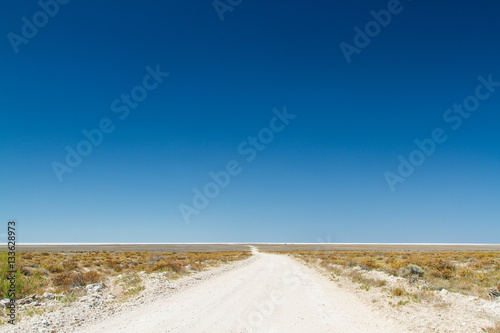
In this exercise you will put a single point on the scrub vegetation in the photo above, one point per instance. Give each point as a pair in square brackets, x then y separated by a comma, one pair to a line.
[63, 272]
[467, 272]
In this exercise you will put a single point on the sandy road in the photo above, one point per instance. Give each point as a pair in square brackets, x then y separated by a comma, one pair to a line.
[272, 293]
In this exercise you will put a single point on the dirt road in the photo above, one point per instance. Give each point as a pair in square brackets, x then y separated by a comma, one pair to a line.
[272, 293]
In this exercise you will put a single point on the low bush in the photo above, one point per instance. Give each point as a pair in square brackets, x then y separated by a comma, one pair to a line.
[467, 272]
[37, 272]
[411, 270]
[398, 291]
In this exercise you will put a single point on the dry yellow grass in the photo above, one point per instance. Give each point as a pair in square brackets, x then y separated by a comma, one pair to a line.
[61, 272]
[467, 272]
[494, 329]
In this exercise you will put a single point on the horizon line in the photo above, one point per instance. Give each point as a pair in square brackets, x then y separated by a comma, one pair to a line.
[249, 243]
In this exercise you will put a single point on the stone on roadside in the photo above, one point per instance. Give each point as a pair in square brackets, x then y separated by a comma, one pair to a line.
[48, 295]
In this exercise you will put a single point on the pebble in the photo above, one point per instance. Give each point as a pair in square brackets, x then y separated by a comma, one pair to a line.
[48, 295]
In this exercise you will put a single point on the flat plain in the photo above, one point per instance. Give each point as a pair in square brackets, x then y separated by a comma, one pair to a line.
[261, 287]
[208, 247]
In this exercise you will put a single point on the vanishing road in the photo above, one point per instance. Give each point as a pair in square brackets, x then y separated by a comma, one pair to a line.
[271, 293]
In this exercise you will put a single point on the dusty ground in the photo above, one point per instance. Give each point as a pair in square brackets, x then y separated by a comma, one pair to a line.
[272, 293]
[442, 311]
[266, 293]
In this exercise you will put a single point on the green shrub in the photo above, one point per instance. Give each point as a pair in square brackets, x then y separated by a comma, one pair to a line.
[24, 285]
[411, 270]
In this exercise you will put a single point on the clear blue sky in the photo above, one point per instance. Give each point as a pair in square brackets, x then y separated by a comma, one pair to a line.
[322, 177]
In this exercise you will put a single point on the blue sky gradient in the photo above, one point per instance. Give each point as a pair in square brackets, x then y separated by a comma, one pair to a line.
[321, 177]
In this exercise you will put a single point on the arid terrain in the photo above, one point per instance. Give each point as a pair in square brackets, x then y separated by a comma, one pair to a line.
[258, 288]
